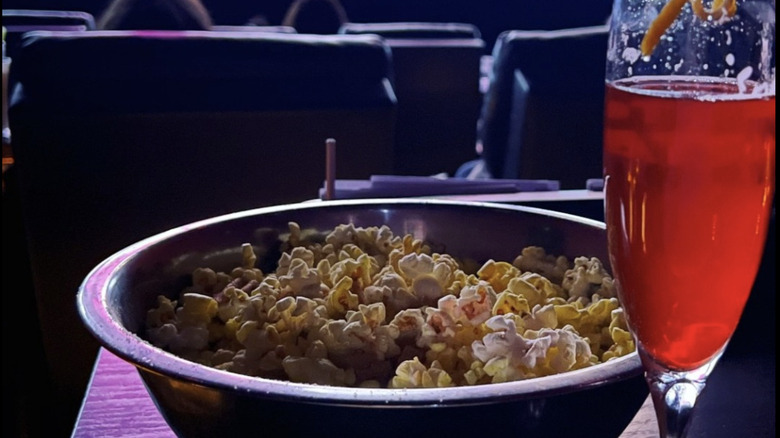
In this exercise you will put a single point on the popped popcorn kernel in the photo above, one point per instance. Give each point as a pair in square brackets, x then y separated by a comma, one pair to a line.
[498, 274]
[317, 371]
[587, 277]
[535, 259]
[164, 313]
[341, 299]
[414, 374]
[196, 309]
[248, 256]
[301, 280]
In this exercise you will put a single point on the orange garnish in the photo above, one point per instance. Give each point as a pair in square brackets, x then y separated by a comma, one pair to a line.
[719, 7]
[672, 10]
[662, 22]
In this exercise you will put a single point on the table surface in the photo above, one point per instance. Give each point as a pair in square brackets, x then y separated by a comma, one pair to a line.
[738, 401]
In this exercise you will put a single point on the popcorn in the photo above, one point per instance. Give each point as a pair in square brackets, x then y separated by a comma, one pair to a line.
[203, 280]
[164, 313]
[363, 307]
[414, 374]
[498, 274]
[297, 314]
[588, 277]
[234, 302]
[392, 291]
[258, 339]
[196, 309]
[508, 302]
[509, 356]
[357, 268]
[248, 256]
[319, 371]
[535, 259]
[301, 280]
[623, 342]
[341, 299]
[297, 253]
[409, 323]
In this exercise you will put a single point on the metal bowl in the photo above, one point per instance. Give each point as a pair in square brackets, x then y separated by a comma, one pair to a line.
[200, 401]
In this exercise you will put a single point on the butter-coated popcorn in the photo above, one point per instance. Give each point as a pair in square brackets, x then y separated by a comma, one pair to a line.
[296, 253]
[196, 309]
[588, 277]
[414, 374]
[428, 278]
[392, 291]
[340, 300]
[364, 307]
[358, 268]
[508, 302]
[233, 302]
[301, 280]
[164, 312]
[540, 317]
[498, 274]
[258, 339]
[535, 259]
[409, 323]
[319, 371]
[508, 355]
[476, 302]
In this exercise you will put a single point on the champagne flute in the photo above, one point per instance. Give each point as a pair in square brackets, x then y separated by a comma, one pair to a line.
[689, 169]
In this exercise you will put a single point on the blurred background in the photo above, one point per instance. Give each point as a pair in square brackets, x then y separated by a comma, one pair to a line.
[134, 161]
[490, 16]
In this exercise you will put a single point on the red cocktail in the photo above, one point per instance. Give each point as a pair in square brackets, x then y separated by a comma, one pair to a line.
[689, 168]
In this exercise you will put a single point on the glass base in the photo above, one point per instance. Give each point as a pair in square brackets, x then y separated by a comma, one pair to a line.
[674, 393]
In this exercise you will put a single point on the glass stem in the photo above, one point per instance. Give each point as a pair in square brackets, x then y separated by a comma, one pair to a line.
[674, 395]
[674, 403]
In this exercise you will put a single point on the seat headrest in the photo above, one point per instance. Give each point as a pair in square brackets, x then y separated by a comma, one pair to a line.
[125, 71]
[413, 29]
[253, 28]
[556, 65]
[567, 53]
[41, 18]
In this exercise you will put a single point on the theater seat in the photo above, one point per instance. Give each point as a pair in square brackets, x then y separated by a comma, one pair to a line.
[119, 135]
[47, 17]
[414, 30]
[542, 116]
[436, 70]
[251, 28]
[18, 21]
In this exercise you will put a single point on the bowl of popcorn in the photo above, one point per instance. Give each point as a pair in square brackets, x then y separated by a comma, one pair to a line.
[373, 318]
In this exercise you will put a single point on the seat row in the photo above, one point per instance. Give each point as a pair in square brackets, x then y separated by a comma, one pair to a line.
[434, 71]
[118, 135]
[443, 114]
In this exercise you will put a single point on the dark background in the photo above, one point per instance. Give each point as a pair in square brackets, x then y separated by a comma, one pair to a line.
[27, 412]
[490, 16]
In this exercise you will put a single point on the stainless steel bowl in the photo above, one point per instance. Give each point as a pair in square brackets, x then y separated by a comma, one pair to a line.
[197, 401]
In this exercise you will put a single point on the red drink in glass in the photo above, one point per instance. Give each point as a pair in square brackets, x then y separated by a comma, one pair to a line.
[689, 168]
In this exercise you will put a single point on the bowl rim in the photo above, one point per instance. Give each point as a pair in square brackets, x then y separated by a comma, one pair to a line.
[92, 308]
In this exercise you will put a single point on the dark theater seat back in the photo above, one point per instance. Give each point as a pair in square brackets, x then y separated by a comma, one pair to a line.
[17, 22]
[47, 17]
[437, 74]
[543, 112]
[414, 29]
[121, 135]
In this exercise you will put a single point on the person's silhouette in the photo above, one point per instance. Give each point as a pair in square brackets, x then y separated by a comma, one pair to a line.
[315, 16]
[155, 14]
